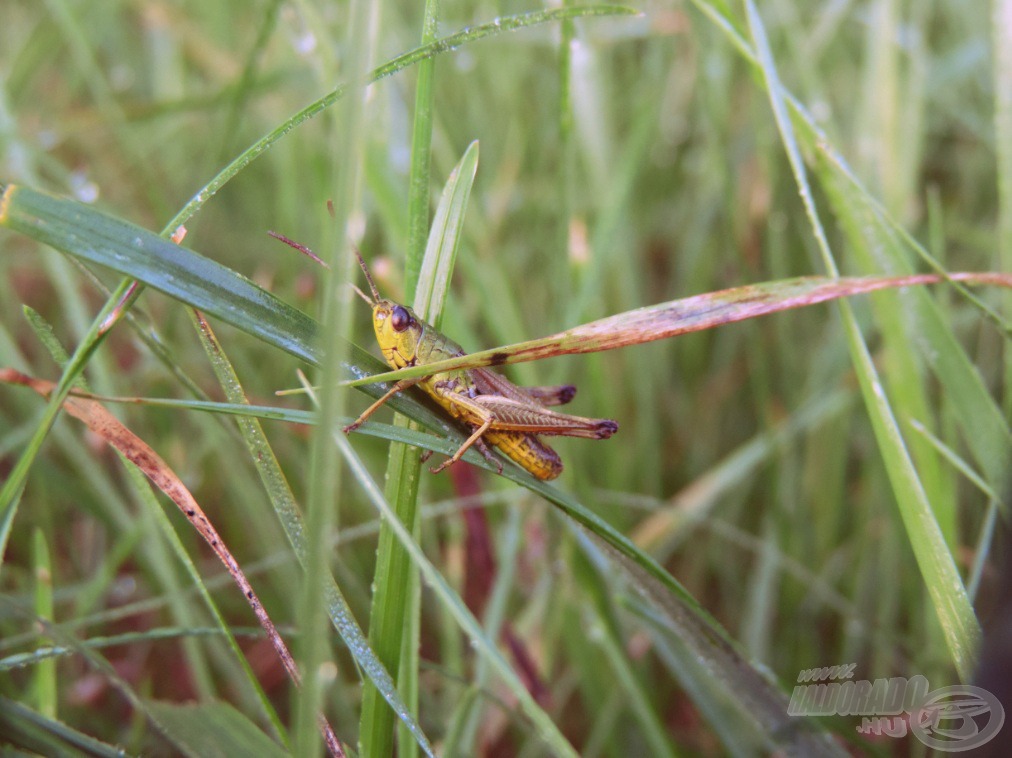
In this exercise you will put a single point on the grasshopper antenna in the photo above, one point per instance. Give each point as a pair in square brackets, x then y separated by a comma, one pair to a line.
[361, 294]
[375, 293]
[307, 252]
[300, 247]
[368, 278]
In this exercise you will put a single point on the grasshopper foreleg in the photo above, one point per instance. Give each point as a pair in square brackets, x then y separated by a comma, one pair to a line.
[400, 386]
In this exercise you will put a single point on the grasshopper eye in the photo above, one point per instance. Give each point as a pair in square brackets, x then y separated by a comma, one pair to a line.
[400, 319]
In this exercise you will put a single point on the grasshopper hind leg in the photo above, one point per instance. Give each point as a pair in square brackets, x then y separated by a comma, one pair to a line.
[482, 447]
[555, 395]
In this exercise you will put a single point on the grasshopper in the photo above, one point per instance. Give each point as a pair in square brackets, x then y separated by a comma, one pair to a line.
[495, 410]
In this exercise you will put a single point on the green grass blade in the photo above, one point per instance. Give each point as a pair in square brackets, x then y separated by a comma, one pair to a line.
[402, 467]
[444, 239]
[405, 482]
[395, 593]
[44, 682]
[421, 148]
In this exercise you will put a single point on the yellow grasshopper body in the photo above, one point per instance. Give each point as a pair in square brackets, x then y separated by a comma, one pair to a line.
[493, 408]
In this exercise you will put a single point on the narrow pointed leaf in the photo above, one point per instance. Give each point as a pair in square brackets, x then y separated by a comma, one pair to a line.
[690, 314]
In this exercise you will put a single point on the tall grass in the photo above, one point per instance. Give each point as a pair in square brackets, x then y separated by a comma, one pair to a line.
[821, 483]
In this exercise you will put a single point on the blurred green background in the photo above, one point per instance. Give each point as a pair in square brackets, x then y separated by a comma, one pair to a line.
[638, 163]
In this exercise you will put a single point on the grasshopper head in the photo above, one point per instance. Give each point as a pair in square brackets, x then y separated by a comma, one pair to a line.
[398, 329]
[398, 332]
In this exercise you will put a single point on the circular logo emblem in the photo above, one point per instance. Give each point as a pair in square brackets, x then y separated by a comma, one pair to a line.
[957, 718]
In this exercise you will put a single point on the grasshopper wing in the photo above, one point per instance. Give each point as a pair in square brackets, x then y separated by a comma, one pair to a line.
[516, 416]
